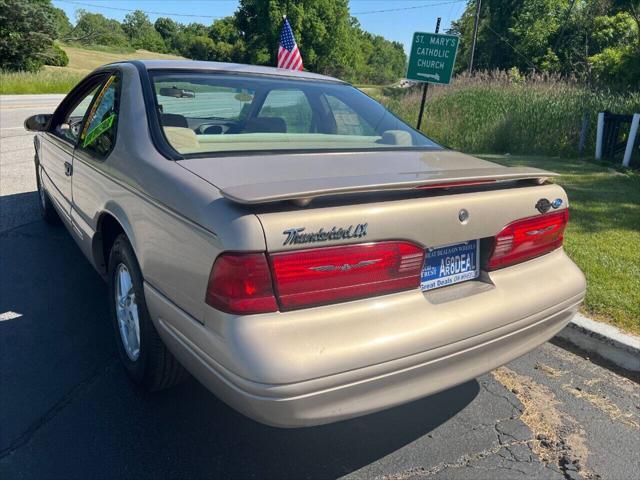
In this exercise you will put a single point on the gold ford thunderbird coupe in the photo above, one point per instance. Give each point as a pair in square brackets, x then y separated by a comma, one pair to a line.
[297, 248]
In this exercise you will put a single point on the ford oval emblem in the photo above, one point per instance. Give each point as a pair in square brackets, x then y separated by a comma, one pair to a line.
[543, 205]
[557, 203]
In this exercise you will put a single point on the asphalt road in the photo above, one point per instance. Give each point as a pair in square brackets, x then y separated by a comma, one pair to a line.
[67, 409]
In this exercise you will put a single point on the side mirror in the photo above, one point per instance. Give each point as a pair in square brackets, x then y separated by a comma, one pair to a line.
[37, 123]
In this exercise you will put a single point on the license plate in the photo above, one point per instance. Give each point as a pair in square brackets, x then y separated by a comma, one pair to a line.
[450, 264]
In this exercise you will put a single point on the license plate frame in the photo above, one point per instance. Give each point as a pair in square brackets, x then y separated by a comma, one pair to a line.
[450, 264]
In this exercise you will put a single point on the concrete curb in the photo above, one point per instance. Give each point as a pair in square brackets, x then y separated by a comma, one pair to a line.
[621, 349]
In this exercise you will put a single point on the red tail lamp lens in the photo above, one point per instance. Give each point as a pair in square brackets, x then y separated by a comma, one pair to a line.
[333, 274]
[241, 283]
[528, 238]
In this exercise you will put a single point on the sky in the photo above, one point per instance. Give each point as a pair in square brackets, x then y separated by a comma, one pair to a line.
[408, 16]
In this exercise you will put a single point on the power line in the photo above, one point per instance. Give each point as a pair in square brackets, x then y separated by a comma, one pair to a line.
[475, 33]
[133, 10]
[525, 58]
[122, 9]
[408, 8]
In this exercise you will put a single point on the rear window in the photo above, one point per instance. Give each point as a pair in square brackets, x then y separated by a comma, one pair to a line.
[203, 113]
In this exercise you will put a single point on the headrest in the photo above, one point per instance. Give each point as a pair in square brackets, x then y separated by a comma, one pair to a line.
[173, 120]
[265, 125]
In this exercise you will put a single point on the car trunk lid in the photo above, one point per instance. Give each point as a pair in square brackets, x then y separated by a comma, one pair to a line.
[304, 177]
[429, 218]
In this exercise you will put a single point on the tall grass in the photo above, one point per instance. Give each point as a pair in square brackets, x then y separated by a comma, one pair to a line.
[48, 80]
[499, 112]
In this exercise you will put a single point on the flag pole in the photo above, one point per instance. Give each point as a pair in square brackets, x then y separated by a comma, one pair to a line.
[284, 18]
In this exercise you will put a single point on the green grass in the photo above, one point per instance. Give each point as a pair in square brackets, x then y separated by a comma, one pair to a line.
[48, 80]
[88, 59]
[603, 236]
[63, 79]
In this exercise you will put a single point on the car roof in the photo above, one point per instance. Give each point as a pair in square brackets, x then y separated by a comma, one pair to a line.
[230, 68]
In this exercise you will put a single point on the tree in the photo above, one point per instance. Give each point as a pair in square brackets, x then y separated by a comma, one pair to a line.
[195, 30]
[320, 28]
[27, 30]
[618, 61]
[166, 27]
[593, 40]
[96, 29]
[179, 38]
[63, 25]
[228, 41]
[141, 32]
[330, 41]
[201, 48]
[511, 33]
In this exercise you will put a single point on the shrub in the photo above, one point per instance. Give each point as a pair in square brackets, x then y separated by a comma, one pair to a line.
[56, 57]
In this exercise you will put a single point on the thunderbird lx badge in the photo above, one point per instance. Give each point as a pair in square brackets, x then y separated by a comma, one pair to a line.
[296, 236]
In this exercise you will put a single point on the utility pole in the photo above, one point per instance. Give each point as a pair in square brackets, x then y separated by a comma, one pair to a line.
[425, 88]
[475, 34]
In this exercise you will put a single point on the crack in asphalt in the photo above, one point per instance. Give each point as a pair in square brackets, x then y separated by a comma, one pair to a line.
[77, 390]
[463, 462]
[603, 404]
[558, 438]
[515, 406]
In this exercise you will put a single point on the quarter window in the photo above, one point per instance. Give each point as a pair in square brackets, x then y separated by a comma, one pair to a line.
[99, 133]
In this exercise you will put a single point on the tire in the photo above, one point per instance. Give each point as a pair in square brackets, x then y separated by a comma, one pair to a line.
[150, 365]
[47, 210]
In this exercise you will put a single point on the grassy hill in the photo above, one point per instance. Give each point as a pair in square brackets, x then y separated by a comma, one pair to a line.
[62, 79]
[84, 60]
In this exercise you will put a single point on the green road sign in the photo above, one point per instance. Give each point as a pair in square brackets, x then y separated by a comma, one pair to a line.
[432, 58]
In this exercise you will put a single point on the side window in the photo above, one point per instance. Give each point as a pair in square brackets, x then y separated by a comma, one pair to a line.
[292, 109]
[69, 127]
[348, 122]
[99, 132]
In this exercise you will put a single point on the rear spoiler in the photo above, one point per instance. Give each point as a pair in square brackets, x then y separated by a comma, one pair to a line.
[302, 191]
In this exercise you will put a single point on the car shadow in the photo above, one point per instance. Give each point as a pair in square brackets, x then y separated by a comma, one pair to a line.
[18, 209]
[237, 447]
[68, 410]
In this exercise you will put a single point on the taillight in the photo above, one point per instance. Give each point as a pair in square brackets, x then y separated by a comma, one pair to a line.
[241, 283]
[333, 274]
[528, 238]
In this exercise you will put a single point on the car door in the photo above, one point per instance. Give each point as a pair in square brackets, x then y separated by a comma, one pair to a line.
[96, 141]
[59, 142]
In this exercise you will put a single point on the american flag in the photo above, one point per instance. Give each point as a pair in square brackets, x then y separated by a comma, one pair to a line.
[288, 54]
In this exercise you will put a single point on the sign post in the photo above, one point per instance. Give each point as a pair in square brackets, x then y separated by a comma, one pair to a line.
[432, 58]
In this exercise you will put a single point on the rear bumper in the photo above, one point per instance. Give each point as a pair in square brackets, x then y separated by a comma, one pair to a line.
[348, 392]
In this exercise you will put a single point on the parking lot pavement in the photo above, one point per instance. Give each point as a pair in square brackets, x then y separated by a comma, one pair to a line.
[67, 409]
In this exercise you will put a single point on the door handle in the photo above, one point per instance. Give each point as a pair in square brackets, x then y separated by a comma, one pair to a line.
[68, 169]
